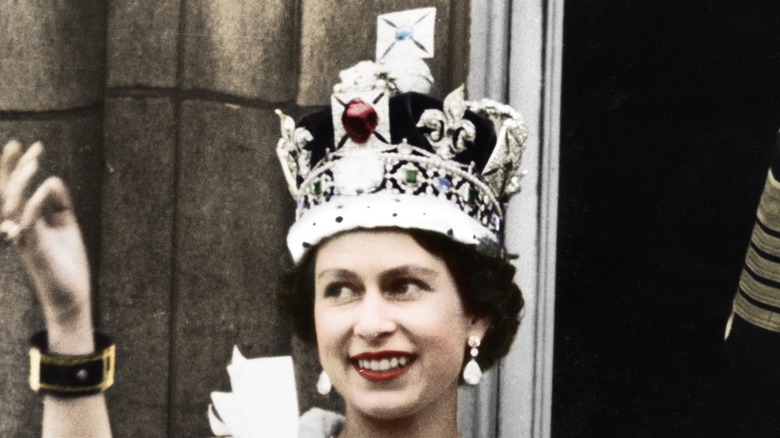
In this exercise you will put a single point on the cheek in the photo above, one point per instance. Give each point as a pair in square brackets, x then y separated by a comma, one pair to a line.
[329, 330]
[321, 326]
[447, 333]
[445, 352]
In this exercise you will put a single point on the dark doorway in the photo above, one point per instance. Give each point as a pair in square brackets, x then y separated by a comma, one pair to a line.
[669, 116]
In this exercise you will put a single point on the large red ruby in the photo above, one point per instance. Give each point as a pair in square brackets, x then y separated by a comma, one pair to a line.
[359, 120]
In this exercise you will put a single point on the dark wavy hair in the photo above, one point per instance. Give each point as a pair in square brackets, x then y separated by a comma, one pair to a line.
[485, 284]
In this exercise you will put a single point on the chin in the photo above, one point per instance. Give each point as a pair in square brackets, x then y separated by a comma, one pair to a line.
[383, 406]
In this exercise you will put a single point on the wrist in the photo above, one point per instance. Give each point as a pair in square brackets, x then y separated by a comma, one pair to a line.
[72, 334]
[65, 305]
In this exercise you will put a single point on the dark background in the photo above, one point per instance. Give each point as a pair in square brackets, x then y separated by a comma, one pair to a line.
[670, 113]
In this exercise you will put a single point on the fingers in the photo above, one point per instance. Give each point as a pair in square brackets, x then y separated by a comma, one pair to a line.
[17, 170]
[49, 202]
[35, 150]
[18, 181]
[10, 230]
[11, 153]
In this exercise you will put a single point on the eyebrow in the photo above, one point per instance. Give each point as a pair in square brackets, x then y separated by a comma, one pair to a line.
[411, 270]
[337, 273]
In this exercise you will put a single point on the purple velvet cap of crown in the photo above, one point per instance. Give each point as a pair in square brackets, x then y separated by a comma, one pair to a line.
[405, 111]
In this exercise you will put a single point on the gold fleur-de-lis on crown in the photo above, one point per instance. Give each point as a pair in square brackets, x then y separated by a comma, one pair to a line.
[449, 130]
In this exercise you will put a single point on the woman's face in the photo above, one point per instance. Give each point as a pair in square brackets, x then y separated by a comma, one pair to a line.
[391, 328]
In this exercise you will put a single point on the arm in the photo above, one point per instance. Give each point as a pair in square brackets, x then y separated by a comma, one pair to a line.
[44, 230]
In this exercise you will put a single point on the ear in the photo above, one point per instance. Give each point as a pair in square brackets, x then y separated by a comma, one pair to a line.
[479, 326]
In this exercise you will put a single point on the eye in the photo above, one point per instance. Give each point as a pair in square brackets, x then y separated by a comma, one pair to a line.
[340, 291]
[407, 287]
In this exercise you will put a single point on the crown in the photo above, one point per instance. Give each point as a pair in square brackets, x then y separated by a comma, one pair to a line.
[388, 155]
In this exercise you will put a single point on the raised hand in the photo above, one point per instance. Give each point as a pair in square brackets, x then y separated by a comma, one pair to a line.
[43, 228]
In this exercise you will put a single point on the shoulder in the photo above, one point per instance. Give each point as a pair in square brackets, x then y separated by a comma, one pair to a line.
[319, 423]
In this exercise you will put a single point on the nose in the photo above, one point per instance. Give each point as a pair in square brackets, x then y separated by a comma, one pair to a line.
[374, 318]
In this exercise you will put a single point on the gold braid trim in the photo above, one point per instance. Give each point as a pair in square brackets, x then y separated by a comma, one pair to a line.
[755, 315]
[769, 207]
[759, 292]
[764, 267]
[769, 215]
[764, 241]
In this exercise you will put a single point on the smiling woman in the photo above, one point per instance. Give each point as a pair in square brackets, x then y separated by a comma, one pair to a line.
[390, 301]
[401, 281]
[400, 276]
[485, 286]
[392, 310]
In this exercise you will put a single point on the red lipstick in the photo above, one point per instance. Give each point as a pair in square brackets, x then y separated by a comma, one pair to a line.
[382, 375]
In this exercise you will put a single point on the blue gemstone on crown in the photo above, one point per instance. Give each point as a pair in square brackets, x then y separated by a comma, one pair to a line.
[442, 184]
[404, 32]
[496, 222]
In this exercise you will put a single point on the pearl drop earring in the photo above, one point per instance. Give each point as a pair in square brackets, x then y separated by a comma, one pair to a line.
[472, 374]
[323, 383]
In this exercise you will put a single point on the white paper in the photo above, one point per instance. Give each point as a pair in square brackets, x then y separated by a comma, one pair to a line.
[264, 402]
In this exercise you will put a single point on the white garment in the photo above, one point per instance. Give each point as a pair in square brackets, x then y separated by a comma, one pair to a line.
[319, 423]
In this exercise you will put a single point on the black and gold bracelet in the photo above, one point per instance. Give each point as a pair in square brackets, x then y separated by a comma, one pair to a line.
[71, 376]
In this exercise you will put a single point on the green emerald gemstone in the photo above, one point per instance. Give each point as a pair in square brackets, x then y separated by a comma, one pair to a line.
[410, 176]
[471, 195]
[316, 187]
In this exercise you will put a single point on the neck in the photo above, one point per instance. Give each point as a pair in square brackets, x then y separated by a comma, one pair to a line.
[437, 422]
